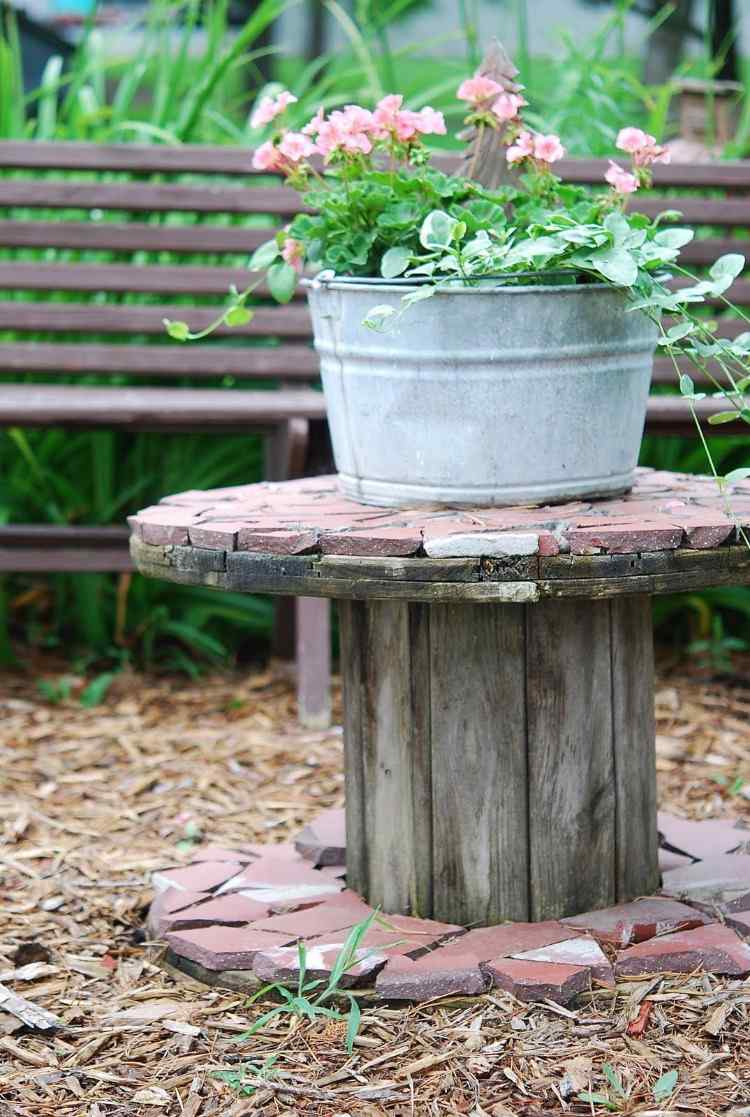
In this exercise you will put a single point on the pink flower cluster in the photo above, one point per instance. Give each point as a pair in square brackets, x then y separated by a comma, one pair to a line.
[531, 145]
[479, 90]
[349, 131]
[271, 107]
[644, 151]
[642, 147]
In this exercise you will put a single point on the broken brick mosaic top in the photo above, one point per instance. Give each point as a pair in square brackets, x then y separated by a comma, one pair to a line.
[670, 525]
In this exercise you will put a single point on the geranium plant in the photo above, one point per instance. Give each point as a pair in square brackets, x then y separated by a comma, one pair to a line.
[378, 208]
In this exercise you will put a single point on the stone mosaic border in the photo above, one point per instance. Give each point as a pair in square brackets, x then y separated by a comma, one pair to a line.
[235, 917]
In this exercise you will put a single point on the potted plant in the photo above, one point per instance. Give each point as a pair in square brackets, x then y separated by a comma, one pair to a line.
[479, 346]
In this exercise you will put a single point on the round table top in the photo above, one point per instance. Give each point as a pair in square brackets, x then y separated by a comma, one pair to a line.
[672, 532]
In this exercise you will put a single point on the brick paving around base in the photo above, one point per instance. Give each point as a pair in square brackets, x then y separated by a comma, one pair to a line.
[249, 909]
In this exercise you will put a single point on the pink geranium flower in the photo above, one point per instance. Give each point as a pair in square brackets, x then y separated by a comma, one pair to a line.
[313, 126]
[621, 180]
[293, 252]
[295, 146]
[431, 122]
[548, 149]
[271, 107]
[521, 149]
[633, 139]
[350, 130]
[478, 89]
[642, 146]
[267, 158]
[507, 105]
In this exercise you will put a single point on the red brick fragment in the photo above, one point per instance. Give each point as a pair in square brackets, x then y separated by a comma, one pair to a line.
[638, 921]
[340, 912]
[323, 841]
[391, 542]
[625, 537]
[538, 981]
[223, 948]
[164, 906]
[705, 838]
[509, 938]
[277, 542]
[206, 876]
[433, 975]
[230, 910]
[714, 949]
[583, 951]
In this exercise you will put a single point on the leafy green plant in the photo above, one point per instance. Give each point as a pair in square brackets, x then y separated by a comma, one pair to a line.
[618, 1097]
[715, 651]
[238, 1077]
[309, 1001]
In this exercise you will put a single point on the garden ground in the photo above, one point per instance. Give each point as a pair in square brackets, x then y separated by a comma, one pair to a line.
[93, 800]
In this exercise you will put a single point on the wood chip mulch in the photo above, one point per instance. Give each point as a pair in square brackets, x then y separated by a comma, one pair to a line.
[93, 800]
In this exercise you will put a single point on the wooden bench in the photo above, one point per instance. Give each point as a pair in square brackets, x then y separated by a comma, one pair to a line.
[86, 183]
[123, 201]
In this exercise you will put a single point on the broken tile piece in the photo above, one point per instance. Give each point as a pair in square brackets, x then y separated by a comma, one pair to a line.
[223, 948]
[714, 949]
[481, 544]
[705, 838]
[205, 876]
[323, 841]
[281, 964]
[538, 981]
[635, 922]
[718, 879]
[433, 975]
[484, 943]
[232, 909]
[164, 906]
[343, 910]
[583, 951]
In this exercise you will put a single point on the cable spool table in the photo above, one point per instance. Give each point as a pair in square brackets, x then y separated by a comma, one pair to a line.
[498, 674]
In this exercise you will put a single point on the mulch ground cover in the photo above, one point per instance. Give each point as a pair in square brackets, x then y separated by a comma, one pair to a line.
[93, 800]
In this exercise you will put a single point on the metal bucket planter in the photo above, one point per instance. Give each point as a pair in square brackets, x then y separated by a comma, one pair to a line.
[492, 395]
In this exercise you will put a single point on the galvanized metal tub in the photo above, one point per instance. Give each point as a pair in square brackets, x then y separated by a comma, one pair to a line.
[489, 395]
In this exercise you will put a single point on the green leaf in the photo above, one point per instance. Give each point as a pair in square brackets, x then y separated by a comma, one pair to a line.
[664, 1087]
[282, 281]
[737, 475]
[674, 238]
[687, 387]
[598, 1099]
[352, 1027]
[264, 256]
[418, 296]
[725, 271]
[379, 317]
[677, 332]
[95, 693]
[238, 316]
[178, 331]
[395, 261]
[614, 1079]
[437, 230]
[615, 264]
[722, 417]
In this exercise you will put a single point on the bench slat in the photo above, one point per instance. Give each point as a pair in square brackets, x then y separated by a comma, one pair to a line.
[698, 211]
[154, 409]
[154, 279]
[282, 321]
[143, 197]
[204, 159]
[293, 362]
[107, 236]
[136, 158]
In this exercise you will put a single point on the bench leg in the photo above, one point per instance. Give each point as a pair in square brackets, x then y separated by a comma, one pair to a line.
[500, 759]
[302, 626]
[314, 661]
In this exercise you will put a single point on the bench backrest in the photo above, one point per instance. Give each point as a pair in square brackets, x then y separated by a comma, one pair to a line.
[64, 204]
